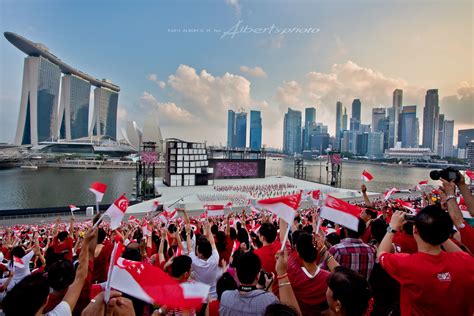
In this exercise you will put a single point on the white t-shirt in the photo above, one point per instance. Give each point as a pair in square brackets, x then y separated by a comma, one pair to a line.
[206, 271]
[62, 309]
[20, 273]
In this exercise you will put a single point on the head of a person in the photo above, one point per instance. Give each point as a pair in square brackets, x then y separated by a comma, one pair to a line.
[62, 235]
[132, 252]
[60, 275]
[181, 267]
[220, 241]
[225, 283]
[333, 238]
[248, 268]
[101, 234]
[27, 297]
[305, 248]
[360, 230]
[214, 229]
[184, 236]
[242, 235]
[233, 233]
[432, 225]
[18, 252]
[368, 214]
[172, 228]
[279, 309]
[378, 229]
[348, 293]
[203, 248]
[295, 236]
[267, 232]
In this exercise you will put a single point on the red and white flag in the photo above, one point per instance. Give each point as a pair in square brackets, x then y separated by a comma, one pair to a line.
[366, 176]
[73, 208]
[229, 205]
[214, 210]
[167, 216]
[424, 182]
[98, 189]
[284, 206]
[409, 206]
[314, 196]
[341, 212]
[387, 194]
[152, 285]
[116, 211]
[470, 174]
[18, 262]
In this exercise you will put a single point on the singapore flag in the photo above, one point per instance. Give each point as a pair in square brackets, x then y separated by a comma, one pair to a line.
[116, 212]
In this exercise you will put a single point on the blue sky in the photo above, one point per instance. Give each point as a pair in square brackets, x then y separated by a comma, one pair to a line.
[364, 49]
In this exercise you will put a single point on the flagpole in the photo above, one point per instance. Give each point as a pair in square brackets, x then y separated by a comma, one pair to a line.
[109, 277]
[318, 225]
[97, 206]
[286, 238]
[99, 221]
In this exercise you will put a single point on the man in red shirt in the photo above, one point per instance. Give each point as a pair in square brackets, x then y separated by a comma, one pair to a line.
[63, 241]
[432, 282]
[267, 235]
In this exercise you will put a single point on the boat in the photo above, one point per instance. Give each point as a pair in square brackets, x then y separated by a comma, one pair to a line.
[30, 167]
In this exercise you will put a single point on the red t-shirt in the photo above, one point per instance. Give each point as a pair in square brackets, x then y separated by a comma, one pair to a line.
[267, 257]
[63, 247]
[310, 290]
[467, 236]
[101, 263]
[406, 243]
[433, 284]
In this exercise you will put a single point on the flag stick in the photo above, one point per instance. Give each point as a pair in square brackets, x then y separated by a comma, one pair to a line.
[97, 206]
[318, 225]
[109, 277]
[99, 221]
[286, 237]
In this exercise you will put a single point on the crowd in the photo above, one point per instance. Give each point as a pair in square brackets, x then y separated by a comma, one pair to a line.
[259, 190]
[406, 257]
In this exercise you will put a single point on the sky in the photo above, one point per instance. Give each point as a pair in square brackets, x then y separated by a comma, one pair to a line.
[188, 62]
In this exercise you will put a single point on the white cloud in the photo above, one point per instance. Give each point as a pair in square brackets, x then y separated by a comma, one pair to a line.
[169, 112]
[459, 107]
[154, 77]
[257, 71]
[235, 4]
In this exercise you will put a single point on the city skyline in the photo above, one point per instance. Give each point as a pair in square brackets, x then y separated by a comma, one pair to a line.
[195, 77]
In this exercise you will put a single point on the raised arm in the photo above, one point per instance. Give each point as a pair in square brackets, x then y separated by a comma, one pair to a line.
[209, 235]
[367, 201]
[287, 296]
[71, 227]
[466, 194]
[396, 222]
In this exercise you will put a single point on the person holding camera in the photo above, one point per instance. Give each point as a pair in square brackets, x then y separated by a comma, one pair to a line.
[432, 282]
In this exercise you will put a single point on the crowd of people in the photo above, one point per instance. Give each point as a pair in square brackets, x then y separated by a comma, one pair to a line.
[407, 257]
[259, 190]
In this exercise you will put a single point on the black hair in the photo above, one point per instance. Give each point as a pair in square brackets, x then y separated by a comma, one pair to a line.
[214, 229]
[27, 297]
[269, 231]
[333, 238]
[308, 229]
[183, 235]
[62, 235]
[351, 289]
[60, 275]
[204, 247]
[18, 252]
[378, 228]
[408, 228]
[372, 213]
[248, 267]
[243, 235]
[101, 234]
[225, 283]
[172, 228]
[132, 252]
[233, 233]
[305, 248]
[180, 265]
[295, 236]
[279, 309]
[220, 241]
[433, 225]
[360, 230]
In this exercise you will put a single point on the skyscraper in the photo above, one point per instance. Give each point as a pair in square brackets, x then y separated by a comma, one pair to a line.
[230, 129]
[448, 138]
[344, 120]
[338, 131]
[464, 137]
[241, 130]
[408, 127]
[377, 115]
[431, 120]
[37, 121]
[292, 132]
[375, 145]
[255, 130]
[356, 112]
[397, 107]
[105, 113]
[309, 120]
[74, 107]
[439, 148]
[39, 106]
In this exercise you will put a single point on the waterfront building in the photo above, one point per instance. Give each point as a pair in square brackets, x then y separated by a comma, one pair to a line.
[362, 144]
[241, 130]
[132, 134]
[464, 137]
[319, 142]
[40, 117]
[339, 127]
[431, 120]
[397, 103]
[445, 137]
[375, 144]
[255, 130]
[356, 113]
[74, 107]
[408, 127]
[378, 114]
[292, 132]
[412, 154]
[230, 129]
[470, 154]
[344, 120]
[309, 121]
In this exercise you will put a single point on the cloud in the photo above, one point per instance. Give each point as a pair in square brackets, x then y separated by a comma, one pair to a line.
[236, 5]
[257, 71]
[168, 112]
[154, 78]
[460, 107]
[344, 82]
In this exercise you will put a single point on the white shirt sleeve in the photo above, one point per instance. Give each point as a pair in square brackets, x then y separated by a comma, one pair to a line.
[26, 258]
[62, 309]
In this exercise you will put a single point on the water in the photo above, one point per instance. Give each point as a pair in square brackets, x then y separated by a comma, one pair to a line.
[22, 188]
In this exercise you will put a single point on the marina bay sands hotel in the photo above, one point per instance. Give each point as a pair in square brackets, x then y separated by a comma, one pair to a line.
[55, 99]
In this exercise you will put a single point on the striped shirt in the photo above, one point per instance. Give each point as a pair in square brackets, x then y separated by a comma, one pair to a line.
[354, 254]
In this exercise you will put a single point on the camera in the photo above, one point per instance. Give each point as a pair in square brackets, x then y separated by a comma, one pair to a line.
[261, 278]
[409, 217]
[447, 174]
